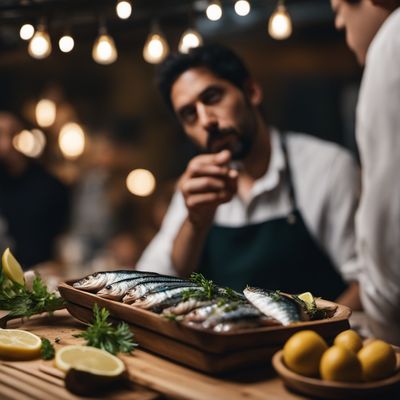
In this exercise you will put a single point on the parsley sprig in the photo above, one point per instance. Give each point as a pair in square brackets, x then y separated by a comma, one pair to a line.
[47, 350]
[23, 302]
[103, 335]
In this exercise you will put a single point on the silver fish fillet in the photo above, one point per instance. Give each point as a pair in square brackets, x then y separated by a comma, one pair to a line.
[200, 314]
[98, 280]
[274, 305]
[186, 306]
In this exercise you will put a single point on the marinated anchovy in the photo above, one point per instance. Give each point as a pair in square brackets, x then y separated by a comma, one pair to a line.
[152, 287]
[273, 304]
[98, 280]
[118, 289]
[162, 299]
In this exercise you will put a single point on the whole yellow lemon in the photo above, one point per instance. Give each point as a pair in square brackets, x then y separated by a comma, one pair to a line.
[340, 364]
[378, 360]
[349, 339]
[303, 351]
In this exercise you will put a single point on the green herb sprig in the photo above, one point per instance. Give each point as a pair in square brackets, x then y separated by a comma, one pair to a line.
[103, 335]
[47, 350]
[23, 302]
[209, 287]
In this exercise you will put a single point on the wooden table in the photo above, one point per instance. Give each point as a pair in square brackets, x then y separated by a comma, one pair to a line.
[153, 377]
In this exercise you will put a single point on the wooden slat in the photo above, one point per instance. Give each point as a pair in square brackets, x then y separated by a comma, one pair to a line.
[8, 393]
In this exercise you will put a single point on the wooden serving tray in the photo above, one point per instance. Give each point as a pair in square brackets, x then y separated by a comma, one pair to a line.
[208, 351]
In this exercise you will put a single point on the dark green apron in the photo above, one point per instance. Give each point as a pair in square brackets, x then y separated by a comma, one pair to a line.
[275, 254]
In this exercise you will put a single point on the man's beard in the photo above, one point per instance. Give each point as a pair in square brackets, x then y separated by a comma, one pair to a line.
[239, 144]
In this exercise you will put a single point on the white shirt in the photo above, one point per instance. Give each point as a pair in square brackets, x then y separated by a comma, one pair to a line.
[378, 218]
[326, 182]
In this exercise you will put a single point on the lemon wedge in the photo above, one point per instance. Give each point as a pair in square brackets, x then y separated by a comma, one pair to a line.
[307, 297]
[16, 344]
[88, 359]
[12, 268]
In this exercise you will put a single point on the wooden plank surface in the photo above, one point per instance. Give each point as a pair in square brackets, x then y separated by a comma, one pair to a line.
[155, 373]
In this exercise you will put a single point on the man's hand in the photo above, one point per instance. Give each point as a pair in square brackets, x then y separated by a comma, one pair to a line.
[207, 182]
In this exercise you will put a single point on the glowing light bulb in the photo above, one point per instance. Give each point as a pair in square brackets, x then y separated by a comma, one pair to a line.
[214, 11]
[242, 7]
[104, 50]
[71, 140]
[30, 143]
[66, 43]
[40, 45]
[141, 182]
[124, 9]
[26, 31]
[190, 38]
[45, 113]
[155, 49]
[280, 24]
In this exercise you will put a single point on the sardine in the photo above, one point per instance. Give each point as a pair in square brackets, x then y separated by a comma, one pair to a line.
[185, 307]
[160, 300]
[231, 312]
[201, 313]
[152, 287]
[98, 280]
[273, 304]
[233, 326]
[118, 289]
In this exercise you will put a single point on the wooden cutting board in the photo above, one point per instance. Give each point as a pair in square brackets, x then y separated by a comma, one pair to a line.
[154, 373]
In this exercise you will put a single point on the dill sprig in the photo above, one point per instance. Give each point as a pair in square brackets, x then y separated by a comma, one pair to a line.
[103, 335]
[23, 302]
[209, 287]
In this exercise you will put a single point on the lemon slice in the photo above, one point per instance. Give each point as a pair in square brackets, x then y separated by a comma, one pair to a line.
[16, 344]
[12, 268]
[89, 359]
[307, 297]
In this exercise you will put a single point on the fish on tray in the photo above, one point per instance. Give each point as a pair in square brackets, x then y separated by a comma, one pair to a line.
[197, 302]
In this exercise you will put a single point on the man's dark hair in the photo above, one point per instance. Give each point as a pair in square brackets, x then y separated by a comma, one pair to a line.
[220, 60]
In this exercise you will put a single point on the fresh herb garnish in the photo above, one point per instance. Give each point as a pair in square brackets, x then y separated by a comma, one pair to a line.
[209, 287]
[276, 295]
[47, 350]
[23, 302]
[103, 335]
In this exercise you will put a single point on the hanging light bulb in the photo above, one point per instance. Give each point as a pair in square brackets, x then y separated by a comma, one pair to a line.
[242, 7]
[66, 43]
[214, 10]
[280, 24]
[40, 44]
[190, 39]
[71, 140]
[156, 47]
[45, 113]
[26, 31]
[123, 9]
[104, 50]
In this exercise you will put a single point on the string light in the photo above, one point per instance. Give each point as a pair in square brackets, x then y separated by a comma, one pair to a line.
[156, 47]
[71, 140]
[66, 43]
[26, 32]
[45, 113]
[123, 9]
[280, 24]
[40, 44]
[214, 10]
[141, 182]
[242, 7]
[104, 50]
[190, 39]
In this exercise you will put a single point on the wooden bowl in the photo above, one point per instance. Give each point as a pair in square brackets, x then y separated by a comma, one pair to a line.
[338, 390]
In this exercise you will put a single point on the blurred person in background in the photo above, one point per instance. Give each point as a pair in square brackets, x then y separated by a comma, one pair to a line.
[373, 33]
[257, 207]
[34, 205]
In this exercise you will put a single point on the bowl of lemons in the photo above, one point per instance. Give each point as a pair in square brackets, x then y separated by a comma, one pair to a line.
[348, 369]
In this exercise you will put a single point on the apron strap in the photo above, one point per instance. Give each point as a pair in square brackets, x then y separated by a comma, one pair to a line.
[292, 194]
